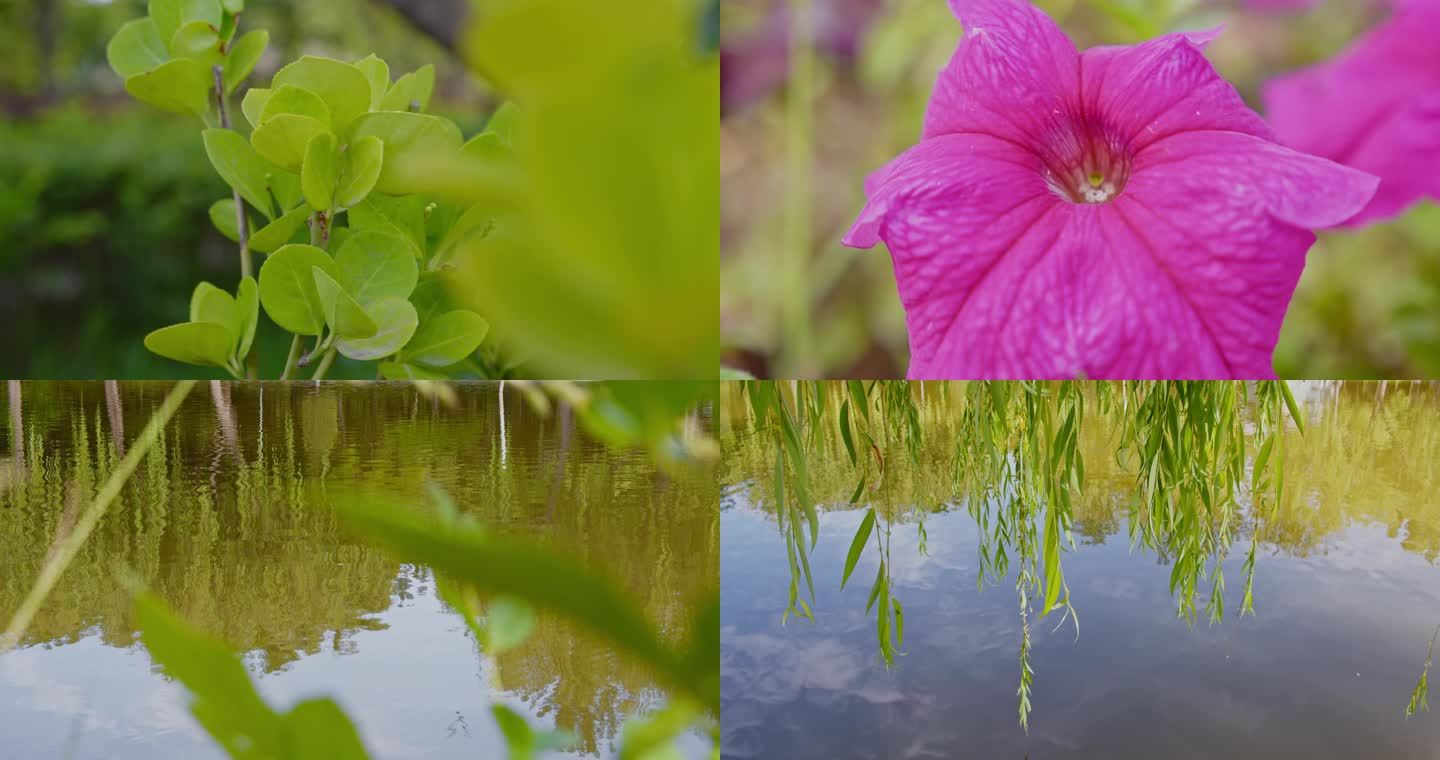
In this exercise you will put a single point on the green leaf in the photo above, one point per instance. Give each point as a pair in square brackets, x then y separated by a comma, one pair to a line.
[287, 288]
[845, 430]
[283, 139]
[652, 737]
[253, 104]
[341, 85]
[406, 135]
[202, 343]
[226, 702]
[1050, 548]
[296, 101]
[222, 215]
[447, 339]
[318, 728]
[857, 545]
[233, 7]
[396, 321]
[377, 73]
[502, 123]
[211, 304]
[180, 86]
[508, 622]
[280, 232]
[240, 166]
[402, 371]
[247, 302]
[347, 319]
[244, 54]
[404, 217]
[136, 48]
[410, 92]
[547, 578]
[168, 16]
[197, 40]
[524, 742]
[319, 172]
[375, 265]
[359, 171]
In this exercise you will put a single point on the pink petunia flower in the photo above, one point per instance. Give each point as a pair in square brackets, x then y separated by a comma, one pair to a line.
[1375, 107]
[1117, 213]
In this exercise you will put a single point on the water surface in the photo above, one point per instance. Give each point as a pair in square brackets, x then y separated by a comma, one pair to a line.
[227, 521]
[1347, 595]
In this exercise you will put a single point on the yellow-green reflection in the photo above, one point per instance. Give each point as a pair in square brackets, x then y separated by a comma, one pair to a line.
[228, 521]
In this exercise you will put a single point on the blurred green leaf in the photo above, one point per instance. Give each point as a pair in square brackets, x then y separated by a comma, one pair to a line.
[524, 742]
[508, 622]
[406, 134]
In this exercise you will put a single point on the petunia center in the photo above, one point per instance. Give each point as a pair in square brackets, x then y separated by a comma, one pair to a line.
[1092, 168]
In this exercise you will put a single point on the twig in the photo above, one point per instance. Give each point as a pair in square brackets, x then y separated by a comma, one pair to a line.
[293, 359]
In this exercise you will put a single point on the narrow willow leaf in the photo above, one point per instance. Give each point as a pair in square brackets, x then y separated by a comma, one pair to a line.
[282, 139]
[280, 232]
[875, 589]
[287, 288]
[136, 48]
[204, 343]
[446, 339]
[1261, 460]
[845, 430]
[857, 545]
[320, 172]
[180, 86]
[341, 85]
[240, 166]
[347, 319]
[364, 159]
[859, 397]
[396, 321]
[1051, 559]
[899, 622]
[1290, 404]
[244, 54]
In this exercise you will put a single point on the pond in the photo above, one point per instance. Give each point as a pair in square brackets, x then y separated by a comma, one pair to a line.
[1346, 599]
[226, 521]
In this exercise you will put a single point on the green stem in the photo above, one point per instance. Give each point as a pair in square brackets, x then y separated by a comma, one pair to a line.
[325, 362]
[69, 546]
[242, 227]
[292, 359]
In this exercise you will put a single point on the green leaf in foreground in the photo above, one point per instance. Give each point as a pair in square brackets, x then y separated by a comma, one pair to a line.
[181, 86]
[542, 576]
[136, 48]
[344, 315]
[287, 288]
[525, 742]
[857, 546]
[244, 54]
[361, 168]
[203, 343]
[447, 339]
[240, 166]
[395, 321]
[227, 704]
[320, 172]
[279, 233]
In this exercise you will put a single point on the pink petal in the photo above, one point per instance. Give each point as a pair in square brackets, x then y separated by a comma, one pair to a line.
[1015, 75]
[1161, 87]
[1373, 107]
